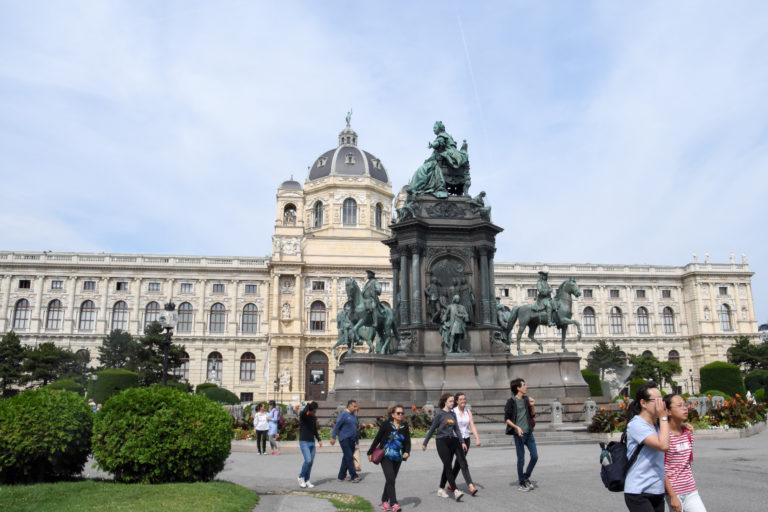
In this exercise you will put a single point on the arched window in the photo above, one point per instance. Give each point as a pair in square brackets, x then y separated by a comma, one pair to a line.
[673, 356]
[215, 367]
[318, 215]
[725, 317]
[289, 215]
[120, 316]
[317, 316]
[54, 315]
[218, 314]
[588, 319]
[647, 353]
[642, 321]
[87, 316]
[250, 321]
[668, 320]
[184, 323]
[151, 313]
[616, 321]
[248, 366]
[378, 214]
[349, 212]
[21, 315]
[182, 371]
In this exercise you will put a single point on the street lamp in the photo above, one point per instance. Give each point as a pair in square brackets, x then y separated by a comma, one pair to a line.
[690, 375]
[167, 320]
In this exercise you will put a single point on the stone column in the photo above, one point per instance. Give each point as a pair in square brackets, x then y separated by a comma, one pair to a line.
[6, 287]
[70, 314]
[416, 299]
[102, 317]
[395, 290]
[137, 309]
[405, 317]
[484, 302]
[491, 288]
[37, 318]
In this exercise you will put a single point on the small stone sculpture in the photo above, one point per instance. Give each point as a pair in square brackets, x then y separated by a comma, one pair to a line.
[454, 327]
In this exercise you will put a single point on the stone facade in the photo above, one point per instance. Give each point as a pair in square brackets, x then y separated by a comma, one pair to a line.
[264, 327]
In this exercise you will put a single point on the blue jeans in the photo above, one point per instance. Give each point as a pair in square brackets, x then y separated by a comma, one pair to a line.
[348, 458]
[526, 440]
[308, 451]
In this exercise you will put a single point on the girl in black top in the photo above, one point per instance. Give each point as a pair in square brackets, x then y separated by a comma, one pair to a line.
[395, 439]
[307, 435]
[448, 440]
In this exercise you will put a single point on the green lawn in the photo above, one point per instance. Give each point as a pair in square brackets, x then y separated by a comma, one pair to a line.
[97, 496]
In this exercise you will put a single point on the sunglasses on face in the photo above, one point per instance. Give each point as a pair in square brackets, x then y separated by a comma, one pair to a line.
[398, 413]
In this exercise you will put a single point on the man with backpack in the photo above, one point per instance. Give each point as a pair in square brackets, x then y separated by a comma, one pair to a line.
[520, 418]
[346, 430]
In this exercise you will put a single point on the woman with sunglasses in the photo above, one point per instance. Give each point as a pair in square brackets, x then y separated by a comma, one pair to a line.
[395, 439]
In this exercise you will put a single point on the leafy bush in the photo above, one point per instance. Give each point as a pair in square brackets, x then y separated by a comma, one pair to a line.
[634, 384]
[593, 380]
[290, 432]
[160, 434]
[737, 413]
[217, 394]
[717, 392]
[32, 450]
[110, 382]
[68, 384]
[607, 421]
[757, 379]
[760, 395]
[722, 375]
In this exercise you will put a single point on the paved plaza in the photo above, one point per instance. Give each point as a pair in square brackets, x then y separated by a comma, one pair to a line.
[731, 475]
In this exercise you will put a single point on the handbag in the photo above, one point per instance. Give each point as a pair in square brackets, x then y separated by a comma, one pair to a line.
[377, 455]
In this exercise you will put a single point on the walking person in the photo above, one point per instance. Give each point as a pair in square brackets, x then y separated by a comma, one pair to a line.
[394, 438]
[520, 417]
[682, 494]
[466, 427]
[261, 426]
[644, 483]
[346, 428]
[449, 442]
[308, 433]
[274, 427]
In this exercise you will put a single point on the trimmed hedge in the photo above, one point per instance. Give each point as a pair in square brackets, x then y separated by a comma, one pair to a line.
[160, 434]
[593, 380]
[723, 376]
[756, 379]
[45, 435]
[217, 394]
[110, 382]
[68, 384]
[634, 385]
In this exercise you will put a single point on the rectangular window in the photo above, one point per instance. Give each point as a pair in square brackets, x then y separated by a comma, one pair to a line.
[723, 291]
[251, 289]
[248, 369]
[531, 293]
[666, 294]
[186, 287]
[57, 284]
[246, 397]
[640, 294]
[121, 286]
[386, 287]
[153, 287]
[505, 292]
[318, 286]
[317, 320]
[587, 293]
[25, 284]
[89, 285]
[218, 288]
[614, 294]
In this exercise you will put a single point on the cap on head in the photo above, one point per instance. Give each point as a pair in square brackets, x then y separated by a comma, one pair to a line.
[543, 273]
[370, 273]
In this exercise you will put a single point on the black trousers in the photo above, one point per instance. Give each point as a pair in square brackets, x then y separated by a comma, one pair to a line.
[644, 502]
[460, 464]
[390, 469]
[447, 449]
[261, 440]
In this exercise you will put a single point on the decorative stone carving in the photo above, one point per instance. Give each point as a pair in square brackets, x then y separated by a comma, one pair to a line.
[287, 284]
[445, 210]
[285, 311]
[557, 412]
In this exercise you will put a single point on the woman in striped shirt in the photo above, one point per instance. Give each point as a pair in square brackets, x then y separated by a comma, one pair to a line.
[682, 495]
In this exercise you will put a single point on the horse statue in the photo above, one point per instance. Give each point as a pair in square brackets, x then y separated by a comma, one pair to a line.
[384, 330]
[526, 317]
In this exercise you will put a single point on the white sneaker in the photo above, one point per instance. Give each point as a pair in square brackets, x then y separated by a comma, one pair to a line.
[441, 492]
[457, 495]
[309, 484]
[302, 483]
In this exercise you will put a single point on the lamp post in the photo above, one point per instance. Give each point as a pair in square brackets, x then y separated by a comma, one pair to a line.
[690, 375]
[167, 319]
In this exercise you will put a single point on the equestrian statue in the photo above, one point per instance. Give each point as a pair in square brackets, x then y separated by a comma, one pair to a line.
[371, 319]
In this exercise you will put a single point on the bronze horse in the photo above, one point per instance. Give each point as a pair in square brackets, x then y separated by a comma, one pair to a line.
[384, 329]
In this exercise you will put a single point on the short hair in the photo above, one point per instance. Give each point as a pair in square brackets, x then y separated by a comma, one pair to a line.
[443, 399]
[395, 407]
[312, 406]
[350, 402]
[515, 384]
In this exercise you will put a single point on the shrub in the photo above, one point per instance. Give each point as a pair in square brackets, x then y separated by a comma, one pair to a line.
[737, 413]
[160, 434]
[760, 395]
[68, 384]
[717, 392]
[634, 384]
[110, 382]
[593, 380]
[756, 379]
[722, 375]
[55, 448]
[217, 394]
[606, 421]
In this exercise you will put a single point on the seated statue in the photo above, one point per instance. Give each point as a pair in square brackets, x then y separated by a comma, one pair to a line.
[446, 159]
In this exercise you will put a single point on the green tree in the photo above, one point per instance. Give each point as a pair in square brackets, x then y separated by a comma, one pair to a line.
[747, 355]
[11, 357]
[148, 358]
[46, 362]
[117, 349]
[604, 357]
[648, 367]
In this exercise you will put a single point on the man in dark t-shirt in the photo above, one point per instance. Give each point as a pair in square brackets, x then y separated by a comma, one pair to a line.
[520, 417]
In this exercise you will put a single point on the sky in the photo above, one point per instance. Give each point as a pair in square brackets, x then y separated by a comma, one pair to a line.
[603, 132]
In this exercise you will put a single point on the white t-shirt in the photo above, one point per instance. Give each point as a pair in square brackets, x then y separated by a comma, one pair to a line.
[463, 421]
[261, 421]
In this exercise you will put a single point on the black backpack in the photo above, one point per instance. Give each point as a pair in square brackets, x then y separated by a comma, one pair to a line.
[614, 465]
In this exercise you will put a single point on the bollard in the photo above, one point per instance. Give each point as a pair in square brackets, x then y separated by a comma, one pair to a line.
[557, 413]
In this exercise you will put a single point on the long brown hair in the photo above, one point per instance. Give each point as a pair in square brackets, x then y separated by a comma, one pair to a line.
[443, 399]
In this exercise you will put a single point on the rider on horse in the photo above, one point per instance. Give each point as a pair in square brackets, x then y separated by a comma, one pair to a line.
[371, 292]
[544, 299]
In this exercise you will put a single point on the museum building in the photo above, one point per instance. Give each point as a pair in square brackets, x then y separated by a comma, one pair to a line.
[265, 327]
